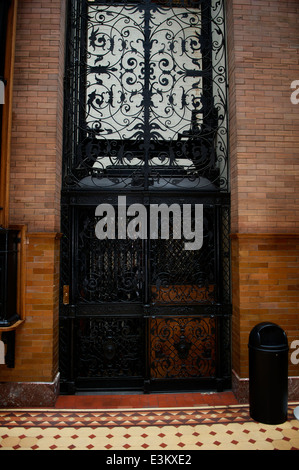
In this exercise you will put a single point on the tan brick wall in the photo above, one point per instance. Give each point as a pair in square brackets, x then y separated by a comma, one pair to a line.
[35, 182]
[266, 288]
[263, 40]
[36, 353]
[37, 115]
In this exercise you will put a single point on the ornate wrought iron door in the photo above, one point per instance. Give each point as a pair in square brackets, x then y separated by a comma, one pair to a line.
[145, 119]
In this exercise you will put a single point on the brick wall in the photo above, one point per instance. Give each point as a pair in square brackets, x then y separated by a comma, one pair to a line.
[35, 184]
[263, 41]
[266, 280]
[37, 115]
[36, 354]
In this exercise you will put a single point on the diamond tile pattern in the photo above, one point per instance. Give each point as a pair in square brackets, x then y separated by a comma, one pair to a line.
[208, 427]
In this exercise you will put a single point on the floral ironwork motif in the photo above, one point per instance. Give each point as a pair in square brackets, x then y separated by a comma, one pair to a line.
[109, 347]
[183, 347]
[107, 270]
[180, 276]
[145, 118]
[147, 104]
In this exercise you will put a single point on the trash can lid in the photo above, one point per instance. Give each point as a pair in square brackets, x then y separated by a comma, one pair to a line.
[269, 336]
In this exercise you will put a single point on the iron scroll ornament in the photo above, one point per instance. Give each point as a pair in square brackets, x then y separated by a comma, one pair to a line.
[145, 110]
[147, 96]
[183, 347]
[115, 270]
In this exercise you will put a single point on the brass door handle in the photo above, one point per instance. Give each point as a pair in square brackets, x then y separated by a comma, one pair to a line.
[66, 295]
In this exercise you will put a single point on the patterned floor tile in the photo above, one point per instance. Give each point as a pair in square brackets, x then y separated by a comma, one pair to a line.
[205, 428]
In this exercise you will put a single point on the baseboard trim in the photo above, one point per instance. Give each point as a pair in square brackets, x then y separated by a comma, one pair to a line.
[28, 394]
[240, 388]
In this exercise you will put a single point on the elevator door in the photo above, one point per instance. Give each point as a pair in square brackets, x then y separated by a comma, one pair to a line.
[145, 128]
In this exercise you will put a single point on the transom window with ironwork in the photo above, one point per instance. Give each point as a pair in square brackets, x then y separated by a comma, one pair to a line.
[146, 105]
[145, 133]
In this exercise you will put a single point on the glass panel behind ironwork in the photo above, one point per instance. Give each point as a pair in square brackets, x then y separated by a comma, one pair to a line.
[158, 270]
[117, 63]
[147, 96]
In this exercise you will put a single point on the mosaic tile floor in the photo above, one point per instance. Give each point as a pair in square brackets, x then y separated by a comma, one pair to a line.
[164, 429]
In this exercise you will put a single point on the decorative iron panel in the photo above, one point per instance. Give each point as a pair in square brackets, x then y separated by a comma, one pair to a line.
[117, 284]
[224, 254]
[182, 276]
[110, 347]
[147, 271]
[183, 347]
[107, 270]
[146, 95]
[145, 119]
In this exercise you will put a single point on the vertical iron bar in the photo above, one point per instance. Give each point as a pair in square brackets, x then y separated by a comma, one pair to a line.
[218, 242]
[206, 49]
[82, 33]
[146, 91]
[75, 82]
[146, 103]
[146, 262]
[219, 281]
[73, 251]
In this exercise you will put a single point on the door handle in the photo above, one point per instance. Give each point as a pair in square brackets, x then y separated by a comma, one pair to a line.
[66, 295]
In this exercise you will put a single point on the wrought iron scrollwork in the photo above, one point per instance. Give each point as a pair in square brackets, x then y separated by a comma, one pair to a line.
[183, 347]
[127, 270]
[147, 95]
[182, 276]
[107, 270]
[110, 347]
[145, 119]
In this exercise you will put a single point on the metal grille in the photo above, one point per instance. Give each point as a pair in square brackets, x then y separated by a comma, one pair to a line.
[145, 118]
[146, 106]
[155, 271]
[152, 296]
[110, 348]
[179, 275]
[108, 270]
[183, 347]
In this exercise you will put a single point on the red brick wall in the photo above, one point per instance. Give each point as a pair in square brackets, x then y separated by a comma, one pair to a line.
[263, 38]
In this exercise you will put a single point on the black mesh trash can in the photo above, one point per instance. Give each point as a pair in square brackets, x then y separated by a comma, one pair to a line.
[268, 374]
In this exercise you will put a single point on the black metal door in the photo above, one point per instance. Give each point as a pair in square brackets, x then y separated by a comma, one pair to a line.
[145, 122]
